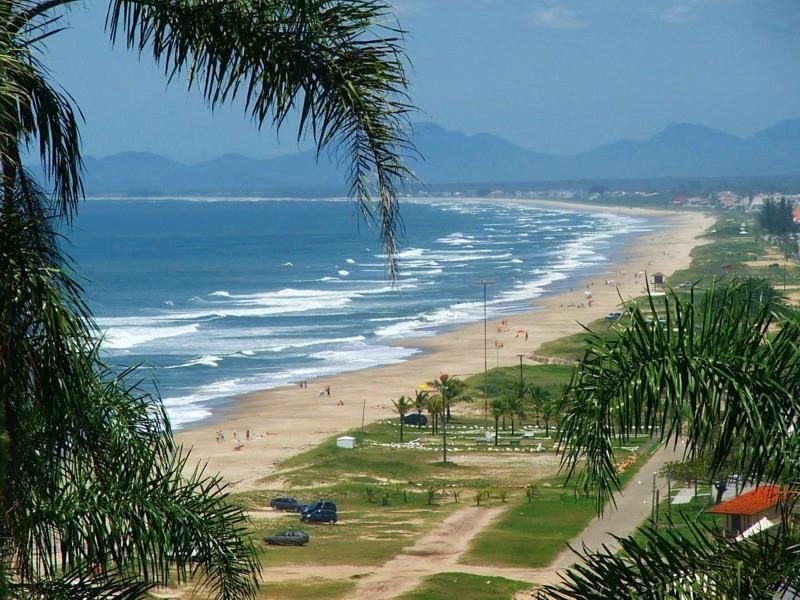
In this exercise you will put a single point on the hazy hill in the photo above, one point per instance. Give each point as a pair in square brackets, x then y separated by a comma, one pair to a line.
[680, 150]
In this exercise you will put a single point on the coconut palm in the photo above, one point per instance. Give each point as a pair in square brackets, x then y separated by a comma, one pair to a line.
[435, 406]
[420, 402]
[450, 389]
[538, 396]
[722, 375]
[402, 406]
[97, 500]
[515, 405]
[498, 408]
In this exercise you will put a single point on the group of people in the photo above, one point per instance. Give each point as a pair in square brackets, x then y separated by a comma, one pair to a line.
[325, 392]
[238, 444]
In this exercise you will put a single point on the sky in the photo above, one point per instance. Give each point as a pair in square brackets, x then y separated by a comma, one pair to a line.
[554, 76]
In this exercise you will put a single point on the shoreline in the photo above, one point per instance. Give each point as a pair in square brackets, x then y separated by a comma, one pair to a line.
[286, 420]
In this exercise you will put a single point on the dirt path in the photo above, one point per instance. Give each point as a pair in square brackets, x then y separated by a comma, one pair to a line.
[433, 553]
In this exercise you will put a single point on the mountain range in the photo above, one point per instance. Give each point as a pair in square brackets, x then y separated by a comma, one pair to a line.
[449, 157]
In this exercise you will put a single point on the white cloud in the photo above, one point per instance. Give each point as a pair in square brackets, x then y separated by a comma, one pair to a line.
[557, 17]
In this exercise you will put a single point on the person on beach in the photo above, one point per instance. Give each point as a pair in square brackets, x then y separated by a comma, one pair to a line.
[321, 394]
[328, 391]
[247, 434]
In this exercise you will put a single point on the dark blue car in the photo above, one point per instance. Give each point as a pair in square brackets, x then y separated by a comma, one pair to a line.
[286, 503]
[321, 511]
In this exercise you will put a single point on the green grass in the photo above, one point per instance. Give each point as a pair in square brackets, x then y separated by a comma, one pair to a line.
[573, 347]
[446, 586]
[309, 589]
[532, 534]
[727, 252]
[505, 380]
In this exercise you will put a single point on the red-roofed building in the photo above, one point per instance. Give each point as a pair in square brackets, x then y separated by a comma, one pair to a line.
[746, 510]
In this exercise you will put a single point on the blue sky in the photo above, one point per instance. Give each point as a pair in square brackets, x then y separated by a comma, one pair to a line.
[553, 76]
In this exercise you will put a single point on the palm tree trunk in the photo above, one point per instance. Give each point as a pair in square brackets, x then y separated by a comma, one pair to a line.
[444, 440]
[401, 427]
[496, 426]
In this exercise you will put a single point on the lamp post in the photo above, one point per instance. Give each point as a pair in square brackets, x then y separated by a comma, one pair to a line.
[484, 283]
[521, 382]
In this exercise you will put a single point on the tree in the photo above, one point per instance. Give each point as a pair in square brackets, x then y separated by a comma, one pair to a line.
[402, 406]
[435, 406]
[97, 500]
[420, 402]
[722, 376]
[777, 218]
[549, 410]
[498, 408]
[538, 396]
[449, 390]
[515, 406]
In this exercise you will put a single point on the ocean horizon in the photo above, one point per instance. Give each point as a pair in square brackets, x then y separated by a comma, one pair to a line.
[217, 297]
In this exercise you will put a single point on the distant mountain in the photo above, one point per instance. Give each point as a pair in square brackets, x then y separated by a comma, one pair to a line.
[680, 150]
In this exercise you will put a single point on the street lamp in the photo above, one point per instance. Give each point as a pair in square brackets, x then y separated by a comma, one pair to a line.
[484, 283]
[521, 383]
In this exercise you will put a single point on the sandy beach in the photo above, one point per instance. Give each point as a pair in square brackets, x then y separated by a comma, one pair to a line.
[285, 421]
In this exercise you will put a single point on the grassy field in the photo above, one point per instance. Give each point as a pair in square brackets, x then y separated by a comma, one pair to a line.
[729, 252]
[552, 518]
[389, 494]
[447, 586]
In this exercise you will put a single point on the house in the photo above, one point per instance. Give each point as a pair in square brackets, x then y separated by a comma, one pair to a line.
[658, 280]
[746, 510]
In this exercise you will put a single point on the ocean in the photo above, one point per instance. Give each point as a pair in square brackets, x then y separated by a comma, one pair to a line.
[219, 297]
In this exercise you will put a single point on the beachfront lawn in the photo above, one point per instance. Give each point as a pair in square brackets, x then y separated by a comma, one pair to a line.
[533, 534]
[381, 461]
[573, 347]
[505, 380]
[446, 586]
[729, 252]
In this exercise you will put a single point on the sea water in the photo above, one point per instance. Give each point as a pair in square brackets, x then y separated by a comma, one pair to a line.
[218, 297]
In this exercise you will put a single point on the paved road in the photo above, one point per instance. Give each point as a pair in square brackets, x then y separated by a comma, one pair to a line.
[633, 507]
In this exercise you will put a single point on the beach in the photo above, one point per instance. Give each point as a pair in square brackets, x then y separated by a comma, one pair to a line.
[285, 421]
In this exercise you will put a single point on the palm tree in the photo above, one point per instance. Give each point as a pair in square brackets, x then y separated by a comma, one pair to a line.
[449, 389]
[420, 402]
[515, 405]
[97, 500]
[402, 406]
[498, 408]
[539, 396]
[435, 406]
[723, 375]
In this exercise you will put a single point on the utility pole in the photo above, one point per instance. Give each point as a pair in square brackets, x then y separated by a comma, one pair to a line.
[484, 283]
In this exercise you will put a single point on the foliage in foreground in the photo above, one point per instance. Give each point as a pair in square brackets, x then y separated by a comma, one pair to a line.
[723, 373]
[96, 499]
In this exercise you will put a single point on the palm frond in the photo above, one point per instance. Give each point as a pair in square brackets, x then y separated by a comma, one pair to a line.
[721, 373]
[693, 562]
[338, 63]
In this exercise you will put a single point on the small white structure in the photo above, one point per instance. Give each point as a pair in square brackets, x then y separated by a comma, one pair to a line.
[346, 441]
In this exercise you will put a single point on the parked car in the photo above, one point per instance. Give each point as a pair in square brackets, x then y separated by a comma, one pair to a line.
[774, 265]
[686, 284]
[291, 537]
[323, 515]
[318, 505]
[613, 315]
[286, 503]
[415, 419]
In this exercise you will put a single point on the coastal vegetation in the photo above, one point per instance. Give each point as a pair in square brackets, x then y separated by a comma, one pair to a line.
[97, 499]
[721, 376]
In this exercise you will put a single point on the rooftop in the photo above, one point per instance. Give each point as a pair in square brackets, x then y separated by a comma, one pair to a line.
[750, 503]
